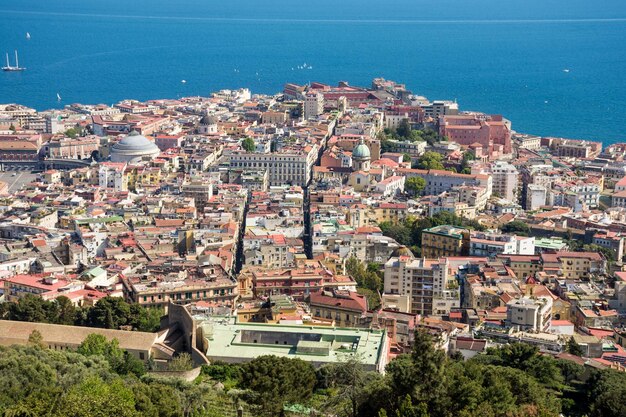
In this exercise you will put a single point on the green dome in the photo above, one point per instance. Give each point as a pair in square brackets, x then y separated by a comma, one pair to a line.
[361, 151]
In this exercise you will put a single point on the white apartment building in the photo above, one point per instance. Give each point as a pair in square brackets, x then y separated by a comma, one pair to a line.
[425, 281]
[534, 314]
[535, 196]
[111, 175]
[493, 244]
[505, 180]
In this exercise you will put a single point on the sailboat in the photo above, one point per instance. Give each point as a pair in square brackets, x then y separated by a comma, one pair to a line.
[11, 68]
[27, 36]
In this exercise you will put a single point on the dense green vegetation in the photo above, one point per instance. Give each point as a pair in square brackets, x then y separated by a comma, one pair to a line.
[369, 279]
[512, 381]
[409, 231]
[517, 227]
[44, 382]
[405, 133]
[108, 313]
[430, 160]
[415, 185]
[248, 145]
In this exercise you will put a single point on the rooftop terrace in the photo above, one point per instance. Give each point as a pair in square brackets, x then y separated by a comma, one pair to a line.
[240, 342]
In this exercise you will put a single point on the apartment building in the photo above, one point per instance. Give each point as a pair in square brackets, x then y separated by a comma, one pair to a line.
[445, 240]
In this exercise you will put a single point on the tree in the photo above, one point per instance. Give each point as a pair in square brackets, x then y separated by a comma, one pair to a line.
[468, 156]
[109, 313]
[72, 132]
[415, 185]
[574, 348]
[36, 339]
[182, 362]
[121, 361]
[66, 312]
[430, 160]
[32, 308]
[95, 397]
[609, 255]
[398, 231]
[516, 227]
[606, 391]
[404, 129]
[156, 400]
[277, 381]
[429, 363]
[350, 379]
[248, 145]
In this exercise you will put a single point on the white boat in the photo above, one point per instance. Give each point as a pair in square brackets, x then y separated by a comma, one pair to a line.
[9, 67]
[58, 97]
[566, 70]
[27, 35]
[183, 81]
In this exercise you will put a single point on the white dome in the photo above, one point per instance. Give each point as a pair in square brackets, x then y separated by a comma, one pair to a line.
[133, 148]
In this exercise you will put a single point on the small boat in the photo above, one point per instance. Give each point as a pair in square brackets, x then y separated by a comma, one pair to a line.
[9, 67]
[27, 36]
[566, 70]
[183, 81]
[58, 97]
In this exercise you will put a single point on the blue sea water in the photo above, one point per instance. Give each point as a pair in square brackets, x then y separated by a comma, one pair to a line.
[499, 56]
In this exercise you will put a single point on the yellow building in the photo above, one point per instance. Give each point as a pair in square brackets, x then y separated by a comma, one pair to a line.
[445, 240]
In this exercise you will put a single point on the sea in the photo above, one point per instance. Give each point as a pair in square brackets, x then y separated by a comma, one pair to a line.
[552, 67]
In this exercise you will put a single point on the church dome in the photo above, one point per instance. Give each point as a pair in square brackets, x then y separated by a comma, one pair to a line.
[133, 148]
[402, 251]
[361, 151]
[208, 120]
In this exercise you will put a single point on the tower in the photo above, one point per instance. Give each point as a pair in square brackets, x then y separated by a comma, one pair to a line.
[361, 157]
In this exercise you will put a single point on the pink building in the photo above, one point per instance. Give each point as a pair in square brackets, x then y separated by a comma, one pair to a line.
[490, 132]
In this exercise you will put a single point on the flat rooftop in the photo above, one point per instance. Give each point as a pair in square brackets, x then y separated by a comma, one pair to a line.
[230, 341]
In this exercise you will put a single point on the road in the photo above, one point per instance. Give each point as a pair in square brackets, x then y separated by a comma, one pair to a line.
[16, 182]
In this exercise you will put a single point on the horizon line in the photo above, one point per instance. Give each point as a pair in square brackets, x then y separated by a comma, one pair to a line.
[296, 20]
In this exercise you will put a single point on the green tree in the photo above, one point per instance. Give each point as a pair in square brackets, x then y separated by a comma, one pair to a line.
[248, 145]
[609, 255]
[468, 156]
[36, 339]
[430, 160]
[407, 409]
[66, 311]
[277, 381]
[156, 400]
[121, 361]
[517, 227]
[415, 185]
[606, 392]
[350, 380]
[182, 362]
[429, 363]
[95, 397]
[32, 308]
[574, 348]
[109, 313]
[72, 132]
[404, 129]
[399, 231]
